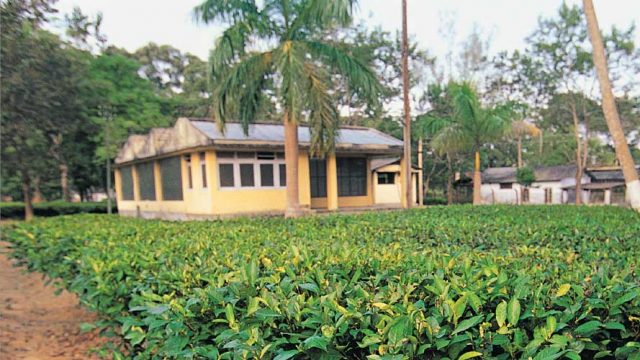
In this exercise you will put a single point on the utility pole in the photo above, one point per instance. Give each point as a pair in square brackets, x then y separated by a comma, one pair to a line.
[408, 200]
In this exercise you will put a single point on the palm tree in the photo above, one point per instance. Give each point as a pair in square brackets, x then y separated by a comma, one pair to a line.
[609, 108]
[520, 129]
[279, 44]
[470, 126]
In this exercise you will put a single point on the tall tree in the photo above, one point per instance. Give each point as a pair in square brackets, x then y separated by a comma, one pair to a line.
[407, 111]
[609, 108]
[469, 126]
[41, 83]
[299, 61]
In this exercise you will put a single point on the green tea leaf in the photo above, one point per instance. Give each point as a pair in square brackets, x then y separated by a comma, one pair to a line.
[501, 313]
[467, 323]
[563, 290]
[469, 355]
[513, 311]
[588, 327]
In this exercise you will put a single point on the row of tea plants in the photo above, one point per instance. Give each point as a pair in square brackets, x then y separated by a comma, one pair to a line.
[529, 282]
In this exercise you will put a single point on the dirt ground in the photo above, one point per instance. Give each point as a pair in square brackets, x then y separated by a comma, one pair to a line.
[37, 324]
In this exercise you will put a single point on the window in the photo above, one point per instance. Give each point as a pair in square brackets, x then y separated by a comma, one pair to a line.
[251, 170]
[386, 178]
[266, 156]
[171, 178]
[126, 183]
[506, 185]
[318, 175]
[266, 174]
[246, 175]
[226, 175]
[283, 175]
[548, 195]
[187, 159]
[352, 176]
[203, 169]
[147, 181]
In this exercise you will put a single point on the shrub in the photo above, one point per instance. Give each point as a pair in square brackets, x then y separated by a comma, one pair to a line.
[541, 282]
[15, 210]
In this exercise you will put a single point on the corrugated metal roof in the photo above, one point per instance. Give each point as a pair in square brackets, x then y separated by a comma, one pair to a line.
[382, 162]
[275, 133]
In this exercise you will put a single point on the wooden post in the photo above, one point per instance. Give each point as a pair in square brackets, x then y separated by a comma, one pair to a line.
[332, 182]
[408, 199]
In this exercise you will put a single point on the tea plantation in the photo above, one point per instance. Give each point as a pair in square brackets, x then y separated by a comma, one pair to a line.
[445, 282]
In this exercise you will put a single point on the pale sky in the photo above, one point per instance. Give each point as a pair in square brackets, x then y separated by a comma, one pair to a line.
[133, 23]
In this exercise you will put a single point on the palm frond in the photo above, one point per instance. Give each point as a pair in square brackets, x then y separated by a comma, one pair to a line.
[324, 121]
[289, 60]
[230, 11]
[361, 78]
[323, 15]
[238, 94]
[229, 47]
[450, 139]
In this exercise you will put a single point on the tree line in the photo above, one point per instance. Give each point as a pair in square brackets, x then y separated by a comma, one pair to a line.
[69, 101]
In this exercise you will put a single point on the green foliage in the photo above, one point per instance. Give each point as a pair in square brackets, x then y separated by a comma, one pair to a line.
[15, 210]
[444, 282]
[525, 176]
[299, 64]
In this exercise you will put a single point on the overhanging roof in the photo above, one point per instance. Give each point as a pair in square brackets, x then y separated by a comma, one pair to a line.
[193, 133]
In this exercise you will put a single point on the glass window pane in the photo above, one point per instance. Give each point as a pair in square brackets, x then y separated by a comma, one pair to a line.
[147, 181]
[226, 175]
[352, 176]
[246, 175]
[171, 177]
[266, 174]
[203, 169]
[225, 154]
[126, 183]
[246, 155]
[283, 175]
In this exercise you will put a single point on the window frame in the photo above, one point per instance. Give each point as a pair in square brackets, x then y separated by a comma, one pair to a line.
[236, 161]
[188, 163]
[386, 175]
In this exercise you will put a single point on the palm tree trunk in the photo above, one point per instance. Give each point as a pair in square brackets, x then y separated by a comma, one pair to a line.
[26, 195]
[64, 181]
[449, 181]
[291, 163]
[477, 180]
[408, 199]
[37, 194]
[609, 108]
[519, 152]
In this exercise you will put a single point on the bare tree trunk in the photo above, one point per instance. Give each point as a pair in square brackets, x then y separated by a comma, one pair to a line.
[477, 180]
[64, 181]
[291, 163]
[26, 194]
[519, 152]
[37, 194]
[609, 108]
[408, 199]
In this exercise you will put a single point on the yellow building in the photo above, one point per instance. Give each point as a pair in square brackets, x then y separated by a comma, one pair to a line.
[195, 171]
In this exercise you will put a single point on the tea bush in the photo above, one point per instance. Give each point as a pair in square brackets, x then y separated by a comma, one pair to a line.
[15, 210]
[502, 282]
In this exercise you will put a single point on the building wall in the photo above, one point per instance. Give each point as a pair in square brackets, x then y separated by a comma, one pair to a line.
[213, 200]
